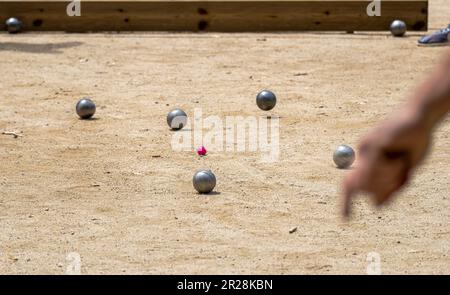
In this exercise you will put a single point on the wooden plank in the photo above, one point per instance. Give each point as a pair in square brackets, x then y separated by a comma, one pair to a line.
[216, 15]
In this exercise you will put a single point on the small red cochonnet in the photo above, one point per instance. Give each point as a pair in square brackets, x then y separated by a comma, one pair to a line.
[201, 151]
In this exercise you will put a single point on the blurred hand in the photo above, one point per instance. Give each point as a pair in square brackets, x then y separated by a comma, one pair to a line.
[387, 157]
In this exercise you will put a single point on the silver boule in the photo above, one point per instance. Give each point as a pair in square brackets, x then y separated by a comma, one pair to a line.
[398, 28]
[266, 100]
[176, 119]
[344, 156]
[204, 181]
[13, 25]
[85, 108]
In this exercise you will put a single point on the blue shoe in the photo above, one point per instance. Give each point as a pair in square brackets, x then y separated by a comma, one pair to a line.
[438, 38]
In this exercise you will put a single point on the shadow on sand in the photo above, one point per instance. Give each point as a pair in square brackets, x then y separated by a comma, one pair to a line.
[37, 47]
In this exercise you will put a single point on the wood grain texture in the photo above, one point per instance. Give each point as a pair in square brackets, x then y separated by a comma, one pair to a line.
[218, 16]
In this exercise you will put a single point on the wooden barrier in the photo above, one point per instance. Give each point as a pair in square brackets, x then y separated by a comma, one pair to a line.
[219, 16]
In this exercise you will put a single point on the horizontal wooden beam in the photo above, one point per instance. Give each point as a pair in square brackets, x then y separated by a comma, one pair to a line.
[218, 16]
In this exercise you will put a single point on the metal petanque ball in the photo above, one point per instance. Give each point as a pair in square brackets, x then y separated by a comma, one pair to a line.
[204, 181]
[176, 119]
[344, 156]
[85, 108]
[266, 100]
[398, 28]
[13, 25]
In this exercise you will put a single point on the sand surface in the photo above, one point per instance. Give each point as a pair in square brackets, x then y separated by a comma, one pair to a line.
[114, 191]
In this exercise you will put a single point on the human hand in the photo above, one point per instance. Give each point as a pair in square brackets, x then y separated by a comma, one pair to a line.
[386, 158]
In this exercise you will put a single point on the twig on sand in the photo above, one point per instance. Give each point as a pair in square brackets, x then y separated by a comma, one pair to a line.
[15, 134]
[293, 230]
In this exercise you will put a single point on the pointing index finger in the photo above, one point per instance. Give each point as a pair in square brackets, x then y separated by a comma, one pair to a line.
[348, 192]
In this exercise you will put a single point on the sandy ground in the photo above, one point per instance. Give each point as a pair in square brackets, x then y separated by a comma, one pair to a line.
[114, 191]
